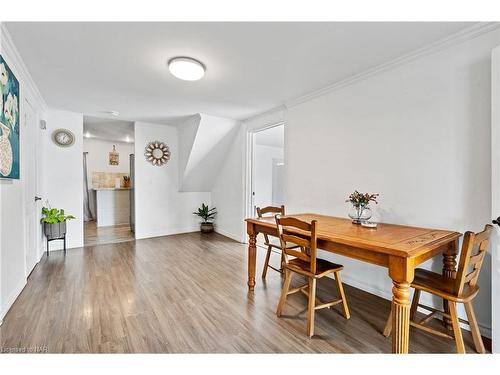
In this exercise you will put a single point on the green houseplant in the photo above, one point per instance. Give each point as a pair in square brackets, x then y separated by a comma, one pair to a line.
[208, 215]
[54, 222]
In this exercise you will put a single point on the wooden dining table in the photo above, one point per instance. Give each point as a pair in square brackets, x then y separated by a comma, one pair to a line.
[399, 248]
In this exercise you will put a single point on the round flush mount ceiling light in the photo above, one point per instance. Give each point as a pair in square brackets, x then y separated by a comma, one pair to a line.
[186, 68]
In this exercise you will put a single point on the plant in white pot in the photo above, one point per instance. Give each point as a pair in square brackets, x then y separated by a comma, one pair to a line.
[54, 222]
[208, 215]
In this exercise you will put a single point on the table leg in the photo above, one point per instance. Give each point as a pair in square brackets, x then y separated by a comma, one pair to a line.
[450, 271]
[252, 255]
[401, 271]
[400, 317]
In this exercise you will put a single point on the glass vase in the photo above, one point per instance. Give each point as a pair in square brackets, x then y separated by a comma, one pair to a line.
[360, 214]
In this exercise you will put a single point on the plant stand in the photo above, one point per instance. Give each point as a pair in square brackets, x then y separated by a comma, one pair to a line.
[55, 239]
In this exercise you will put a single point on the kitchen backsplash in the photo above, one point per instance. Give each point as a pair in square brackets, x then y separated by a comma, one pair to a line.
[106, 179]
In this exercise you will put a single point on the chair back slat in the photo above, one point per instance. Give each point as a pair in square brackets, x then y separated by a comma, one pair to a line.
[474, 248]
[265, 211]
[295, 223]
[298, 254]
[302, 242]
[298, 233]
[471, 275]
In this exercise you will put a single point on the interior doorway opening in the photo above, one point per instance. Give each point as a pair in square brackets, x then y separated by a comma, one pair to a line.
[267, 171]
[268, 166]
[108, 186]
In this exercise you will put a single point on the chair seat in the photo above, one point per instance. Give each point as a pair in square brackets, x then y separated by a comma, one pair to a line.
[323, 267]
[441, 286]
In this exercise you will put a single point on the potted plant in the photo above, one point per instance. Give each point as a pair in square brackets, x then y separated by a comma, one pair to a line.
[126, 181]
[360, 211]
[207, 214]
[54, 222]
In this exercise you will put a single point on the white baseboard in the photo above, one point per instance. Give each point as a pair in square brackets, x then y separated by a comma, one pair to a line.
[167, 232]
[12, 298]
[230, 235]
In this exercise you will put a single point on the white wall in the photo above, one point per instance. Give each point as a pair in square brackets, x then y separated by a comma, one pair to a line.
[160, 208]
[263, 157]
[204, 145]
[229, 191]
[12, 200]
[418, 134]
[98, 156]
[63, 177]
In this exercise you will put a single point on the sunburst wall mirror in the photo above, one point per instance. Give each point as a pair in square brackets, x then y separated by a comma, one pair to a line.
[157, 153]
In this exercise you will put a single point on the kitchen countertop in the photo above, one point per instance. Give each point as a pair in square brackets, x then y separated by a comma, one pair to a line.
[122, 188]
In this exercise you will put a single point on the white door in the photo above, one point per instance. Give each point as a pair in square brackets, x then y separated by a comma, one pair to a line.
[32, 217]
[495, 199]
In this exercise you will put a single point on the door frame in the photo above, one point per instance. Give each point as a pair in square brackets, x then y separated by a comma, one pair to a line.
[495, 198]
[35, 138]
[250, 142]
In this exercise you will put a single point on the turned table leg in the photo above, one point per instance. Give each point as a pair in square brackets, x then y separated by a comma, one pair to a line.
[252, 255]
[400, 317]
[450, 271]
[401, 271]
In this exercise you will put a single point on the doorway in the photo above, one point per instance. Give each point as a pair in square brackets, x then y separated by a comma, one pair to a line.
[267, 169]
[108, 169]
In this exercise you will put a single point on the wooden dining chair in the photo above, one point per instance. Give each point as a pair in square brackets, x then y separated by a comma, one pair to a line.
[271, 211]
[461, 289]
[303, 238]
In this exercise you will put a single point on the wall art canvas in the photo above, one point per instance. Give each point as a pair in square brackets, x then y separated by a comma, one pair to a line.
[114, 157]
[9, 123]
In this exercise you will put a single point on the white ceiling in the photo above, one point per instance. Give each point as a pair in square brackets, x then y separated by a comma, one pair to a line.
[108, 129]
[251, 67]
[274, 137]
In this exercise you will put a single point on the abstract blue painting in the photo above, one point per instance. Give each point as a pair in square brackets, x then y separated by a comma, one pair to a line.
[9, 122]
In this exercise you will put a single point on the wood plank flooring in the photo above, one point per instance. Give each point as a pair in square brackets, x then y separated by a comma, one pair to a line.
[184, 294]
[94, 235]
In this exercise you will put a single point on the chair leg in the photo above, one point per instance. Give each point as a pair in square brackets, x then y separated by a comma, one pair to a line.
[456, 327]
[284, 292]
[282, 261]
[476, 334]
[266, 262]
[388, 324]
[414, 304]
[340, 288]
[311, 306]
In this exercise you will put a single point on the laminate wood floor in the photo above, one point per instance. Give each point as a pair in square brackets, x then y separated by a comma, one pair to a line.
[94, 235]
[184, 294]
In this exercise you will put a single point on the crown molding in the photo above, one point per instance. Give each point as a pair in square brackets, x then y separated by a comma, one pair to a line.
[264, 114]
[466, 34]
[10, 50]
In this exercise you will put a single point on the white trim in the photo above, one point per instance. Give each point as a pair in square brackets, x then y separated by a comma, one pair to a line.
[16, 60]
[250, 134]
[169, 232]
[12, 298]
[495, 197]
[232, 236]
[464, 35]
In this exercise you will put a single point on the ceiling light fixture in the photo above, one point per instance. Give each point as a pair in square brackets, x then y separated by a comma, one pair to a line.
[186, 68]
